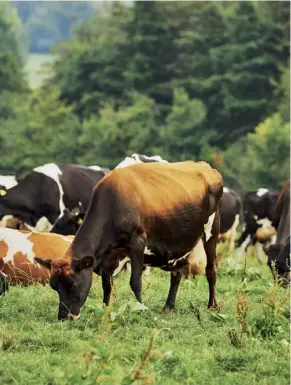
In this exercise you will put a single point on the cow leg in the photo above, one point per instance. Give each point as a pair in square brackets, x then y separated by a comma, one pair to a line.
[244, 247]
[174, 286]
[259, 252]
[137, 258]
[107, 288]
[211, 265]
[233, 233]
[147, 271]
[3, 284]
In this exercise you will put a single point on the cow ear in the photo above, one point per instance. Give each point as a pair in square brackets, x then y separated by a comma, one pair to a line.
[80, 218]
[44, 262]
[84, 263]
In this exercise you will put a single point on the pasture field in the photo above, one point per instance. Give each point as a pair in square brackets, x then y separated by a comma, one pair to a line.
[245, 342]
[35, 68]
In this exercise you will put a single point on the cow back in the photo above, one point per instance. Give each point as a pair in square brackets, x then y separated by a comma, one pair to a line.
[78, 183]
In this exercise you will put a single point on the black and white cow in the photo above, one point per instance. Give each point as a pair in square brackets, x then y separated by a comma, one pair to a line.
[70, 221]
[231, 210]
[138, 158]
[258, 206]
[47, 190]
[279, 253]
[6, 182]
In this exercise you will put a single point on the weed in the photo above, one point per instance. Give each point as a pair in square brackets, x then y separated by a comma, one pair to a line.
[272, 321]
[241, 310]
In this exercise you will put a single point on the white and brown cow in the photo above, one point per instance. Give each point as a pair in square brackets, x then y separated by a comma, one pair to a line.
[18, 250]
[155, 214]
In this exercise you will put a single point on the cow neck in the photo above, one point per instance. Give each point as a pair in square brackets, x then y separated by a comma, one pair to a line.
[87, 240]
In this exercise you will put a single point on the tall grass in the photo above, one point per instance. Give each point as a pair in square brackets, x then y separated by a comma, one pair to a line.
[245, 342]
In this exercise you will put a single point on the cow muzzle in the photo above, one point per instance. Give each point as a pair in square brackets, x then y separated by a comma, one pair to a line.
[68, 317]
[73, 317]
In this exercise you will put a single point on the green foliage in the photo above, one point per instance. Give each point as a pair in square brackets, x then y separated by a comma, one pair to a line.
[187, 80]
[282, 94]
[42, 130]
[270, 139]
[151, 50]
[89, 69]
[12, 78]
[263, 155]
[228, 56]
[106, 139]
[182, 135]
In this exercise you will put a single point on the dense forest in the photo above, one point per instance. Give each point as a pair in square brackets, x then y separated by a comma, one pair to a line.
[185, 80]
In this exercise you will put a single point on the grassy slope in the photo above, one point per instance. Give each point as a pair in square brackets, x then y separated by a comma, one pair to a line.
[38, 350]
[34, 68]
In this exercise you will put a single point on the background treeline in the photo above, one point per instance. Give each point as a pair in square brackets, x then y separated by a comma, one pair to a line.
[186, 80]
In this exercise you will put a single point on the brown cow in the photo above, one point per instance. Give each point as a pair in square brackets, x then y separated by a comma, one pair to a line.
[17, 252]
[155, 213]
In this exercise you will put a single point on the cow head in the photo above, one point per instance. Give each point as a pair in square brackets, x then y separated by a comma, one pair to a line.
[69, 222]
[72, 281]
[279, 261]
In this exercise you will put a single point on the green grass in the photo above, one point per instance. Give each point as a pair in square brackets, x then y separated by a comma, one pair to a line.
[246, 342]
[35, 68]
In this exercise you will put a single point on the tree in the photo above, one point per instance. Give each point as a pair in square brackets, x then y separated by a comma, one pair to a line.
[42, 130]
[229, 57]
[151, 51]
[183, 135]
[12, 77]
[89, 68]
[109, 137]
[261, 159]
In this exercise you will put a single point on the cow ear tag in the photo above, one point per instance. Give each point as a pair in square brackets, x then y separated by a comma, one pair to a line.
[80, 221]
[2, 193]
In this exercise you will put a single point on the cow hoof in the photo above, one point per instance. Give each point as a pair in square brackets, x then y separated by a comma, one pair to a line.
[213, 308]
[168, 308]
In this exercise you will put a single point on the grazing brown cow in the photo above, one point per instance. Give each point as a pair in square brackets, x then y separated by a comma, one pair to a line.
[17, 252]
[279, 253]
[155, 213]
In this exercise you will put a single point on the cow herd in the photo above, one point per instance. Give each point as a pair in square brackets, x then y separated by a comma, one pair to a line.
[62, 223]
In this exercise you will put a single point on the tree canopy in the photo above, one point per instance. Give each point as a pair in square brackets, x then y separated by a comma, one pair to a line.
[187, 80]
